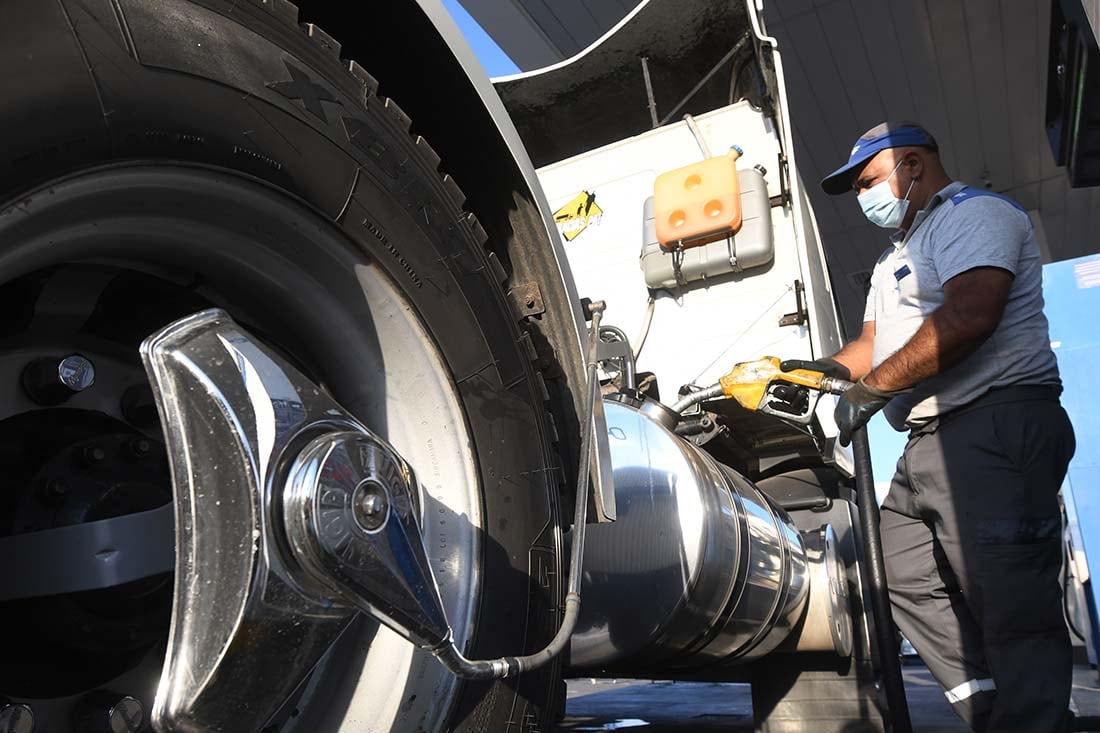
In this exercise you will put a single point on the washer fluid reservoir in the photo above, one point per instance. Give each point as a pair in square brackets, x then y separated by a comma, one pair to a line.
[698, 202]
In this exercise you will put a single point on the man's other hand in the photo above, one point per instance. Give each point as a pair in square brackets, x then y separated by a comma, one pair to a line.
[828, 367]
[856, 406]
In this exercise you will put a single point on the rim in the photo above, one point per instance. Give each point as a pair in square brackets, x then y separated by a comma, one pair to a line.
[121, 251]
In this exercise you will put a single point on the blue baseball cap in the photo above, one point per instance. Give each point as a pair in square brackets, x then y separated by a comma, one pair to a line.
[878, 138]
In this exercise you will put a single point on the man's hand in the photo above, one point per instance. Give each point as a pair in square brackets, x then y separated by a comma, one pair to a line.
[849, 364]
[828, 367]
[856, 406]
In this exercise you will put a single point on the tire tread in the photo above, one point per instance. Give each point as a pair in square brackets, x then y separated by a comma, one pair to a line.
[322, 39]
[288, 12]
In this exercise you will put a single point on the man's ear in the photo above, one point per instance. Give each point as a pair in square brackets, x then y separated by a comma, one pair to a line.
[914, 162]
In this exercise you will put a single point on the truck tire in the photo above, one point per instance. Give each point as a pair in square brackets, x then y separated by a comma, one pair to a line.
[168, 155]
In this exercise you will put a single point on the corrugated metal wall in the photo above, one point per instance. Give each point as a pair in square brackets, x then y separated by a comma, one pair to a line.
[973, 72]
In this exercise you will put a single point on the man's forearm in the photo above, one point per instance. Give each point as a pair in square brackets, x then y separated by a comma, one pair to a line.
[856, 356]
[943, 340]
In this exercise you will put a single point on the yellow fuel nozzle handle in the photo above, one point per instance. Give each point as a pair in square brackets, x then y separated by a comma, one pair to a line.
[748, 381]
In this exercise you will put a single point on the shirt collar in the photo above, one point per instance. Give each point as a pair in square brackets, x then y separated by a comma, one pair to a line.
[901, 236]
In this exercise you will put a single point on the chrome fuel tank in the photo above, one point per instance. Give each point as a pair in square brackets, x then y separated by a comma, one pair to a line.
[699, 567]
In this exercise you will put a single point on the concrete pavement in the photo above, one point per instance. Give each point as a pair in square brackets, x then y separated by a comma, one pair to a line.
[702, 707]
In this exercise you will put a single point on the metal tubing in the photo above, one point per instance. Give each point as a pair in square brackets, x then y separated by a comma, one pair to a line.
[580, 517]
[892, 681]
[649, 92]
[833, 385]
[710, 393]
[510, 666]
[709, 75]
[639, 342]
[628, 366]
[698, 135]
[468, 669]
[836, 385]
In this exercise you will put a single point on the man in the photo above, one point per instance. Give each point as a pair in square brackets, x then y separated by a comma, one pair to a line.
[955, 348]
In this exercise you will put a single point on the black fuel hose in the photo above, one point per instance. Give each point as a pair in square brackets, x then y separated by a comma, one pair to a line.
[892, 681]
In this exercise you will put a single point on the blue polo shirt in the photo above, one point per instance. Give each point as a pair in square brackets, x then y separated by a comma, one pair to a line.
[960, 229]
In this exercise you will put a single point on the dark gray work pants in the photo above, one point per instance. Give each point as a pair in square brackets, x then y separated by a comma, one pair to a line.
[971, 531]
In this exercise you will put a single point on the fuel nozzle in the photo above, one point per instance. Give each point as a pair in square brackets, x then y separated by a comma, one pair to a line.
[748, 383]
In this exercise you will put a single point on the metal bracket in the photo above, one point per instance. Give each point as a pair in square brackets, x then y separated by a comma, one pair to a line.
[90, 555]
[800, 315]
[603, 484]
[615, 347]
[784, 181]
[527, 299]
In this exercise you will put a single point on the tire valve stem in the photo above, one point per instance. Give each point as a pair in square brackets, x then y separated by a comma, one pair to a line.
[50, 381]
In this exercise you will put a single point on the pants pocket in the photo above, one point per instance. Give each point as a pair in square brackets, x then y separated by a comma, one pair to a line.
[1021, 594]
[1035, 436]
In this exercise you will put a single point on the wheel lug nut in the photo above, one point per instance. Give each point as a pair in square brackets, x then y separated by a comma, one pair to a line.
[76, 372]
[127, 715]
[52, 381]
[16, 718]
[52, 491]
[139, 447]
[106, 712]
[93, 454]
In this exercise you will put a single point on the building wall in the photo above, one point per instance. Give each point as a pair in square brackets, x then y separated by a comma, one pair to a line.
[974, 73]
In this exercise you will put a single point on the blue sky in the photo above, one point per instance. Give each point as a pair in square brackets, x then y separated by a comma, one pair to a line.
[887, 445]
[495, 61]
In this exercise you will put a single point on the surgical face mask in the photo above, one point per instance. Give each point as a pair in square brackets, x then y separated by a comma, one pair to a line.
[881, 206]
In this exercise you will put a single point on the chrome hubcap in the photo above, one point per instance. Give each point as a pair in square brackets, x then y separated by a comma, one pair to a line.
[235, 414]
[351, 524]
